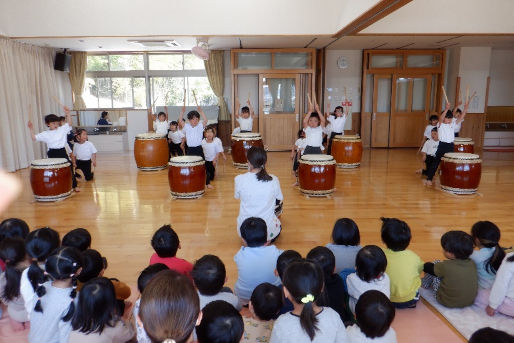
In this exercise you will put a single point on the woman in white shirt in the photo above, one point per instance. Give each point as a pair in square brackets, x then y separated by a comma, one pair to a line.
[259, 193]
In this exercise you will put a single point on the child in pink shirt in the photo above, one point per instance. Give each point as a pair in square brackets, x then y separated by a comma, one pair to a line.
[165, 242]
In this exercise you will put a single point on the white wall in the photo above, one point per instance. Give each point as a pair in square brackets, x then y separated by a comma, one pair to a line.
[473, 72]
[451, 74]
[501, 87]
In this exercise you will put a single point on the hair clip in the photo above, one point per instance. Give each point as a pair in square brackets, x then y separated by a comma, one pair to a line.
[308, 298]
[169, 340]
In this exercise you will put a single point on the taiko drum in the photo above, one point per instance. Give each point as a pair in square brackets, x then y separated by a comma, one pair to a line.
[347, 151]
[186, 176]
[241, 143]
[462, 144]
[50, 179]
[460, 173]
[317, 175]
[151, 151]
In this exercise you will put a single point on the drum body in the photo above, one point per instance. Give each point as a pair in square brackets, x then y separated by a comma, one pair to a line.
[460, 173]
[186, 176]
[241, 142]
[50, 179]
[151, 151]
[317, 175]
[347, 151]
[462, 144]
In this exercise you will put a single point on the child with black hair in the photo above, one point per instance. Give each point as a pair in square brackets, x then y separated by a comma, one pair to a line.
[370, 265]
[169, 308]
[51, 319]
[429, 150]
[160, 124]
[39, 244]
[457, 114]
[456, 280]
[84, 155]
[245, 119]
[283, 261]
[212, 148]
[345, 245]
[404, 266]
[337, 120]
[432, 124]
[165, 242]
[12, 250]
[334, 294]
[96, 319]
[175, 140]
[12, 227]
[489, 335]
[78, 238]
[56, 139]
[374, 313]
[221, 323]
[193, 130]
[256, 260]
[308, 322]
[264, 308]
[144, 278]
[209, 276]
[489, 256]
[501, 296]
[313, 124]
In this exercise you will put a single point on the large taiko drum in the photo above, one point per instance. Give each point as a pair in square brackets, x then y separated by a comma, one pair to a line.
[186, 175]
[317, 174]
[460, 172]
[347, 150]
[151, 151]
[50, 179]
[462, 144]
[241, 143]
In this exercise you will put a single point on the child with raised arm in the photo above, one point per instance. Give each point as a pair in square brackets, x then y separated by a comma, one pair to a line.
[337, 121]
[160, 124]
[212, 148]
[313, 124]
[457, 114]
[245, 119]
[84, 155]
[56, 139]
[193, 130]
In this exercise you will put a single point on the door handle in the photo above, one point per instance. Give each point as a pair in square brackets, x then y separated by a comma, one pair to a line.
[374, 116]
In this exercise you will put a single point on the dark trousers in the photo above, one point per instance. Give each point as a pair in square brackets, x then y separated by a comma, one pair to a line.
[428, 161]
[195, 151]
[175, 149]
[210, 171]
[332, 135]
[61, 153]
[441, 150]
[456, 134]
[312, 150]
[85, 166]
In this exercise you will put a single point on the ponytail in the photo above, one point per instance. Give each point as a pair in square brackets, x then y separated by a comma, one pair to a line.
[12, 251]
[12, 285]
[263, 175]
[496, 259]
[73, 294]
[308, 319]
[40, 292]
[257, 158]
[488, 234]
[36, 275]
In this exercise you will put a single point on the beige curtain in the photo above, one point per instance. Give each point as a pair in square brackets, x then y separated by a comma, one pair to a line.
[214, 68]
[77, 76]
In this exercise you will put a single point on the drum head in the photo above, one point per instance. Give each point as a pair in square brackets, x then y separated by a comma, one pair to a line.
[148, 135]
[349, 138]
[461, 156]
[186, 161]
[246, 136]
[50, 162]
[462, 139]
[317, 159]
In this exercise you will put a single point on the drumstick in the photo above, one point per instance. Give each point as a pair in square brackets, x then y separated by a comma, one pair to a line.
[445, 96]
[196, 100]
[153, 103]
[467, 94]
[249, 95]
[57, 101]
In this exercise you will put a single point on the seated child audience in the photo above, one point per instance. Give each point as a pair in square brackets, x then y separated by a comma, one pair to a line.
[345, 244]
[169, 308]
[39, 244]
[308, 322]
[456, 284]
[374, 314]
[256, 260]
[96, 318]
[403, 265]
[264, 306]
[209, 276]
[334, 295]
[489, 335]
[284, 260]
[77, 238]
[501, 297]
[12, 227]
[370, 265]
[221, 323]
[165, 242]
[144, 278]
[51, 319]
[12, 250]
[489, 256]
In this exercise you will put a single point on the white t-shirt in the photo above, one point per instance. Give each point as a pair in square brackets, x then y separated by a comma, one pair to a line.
[194, 135]
[327, 129]
[258, 199]
[357, 286]
[84, 151]
[446, 133]
[161, 127]
[355, 335]
[55, 139]
[300, 144]
[210, 150]
[430, 147]
[456, 126]
[503, 286]
[337, 123]
[176, 137]
[313, 136]
[245, 124]
[428, 131]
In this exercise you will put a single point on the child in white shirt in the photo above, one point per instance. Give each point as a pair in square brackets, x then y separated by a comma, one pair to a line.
[337, 122]
[432, 122]
[297, 152]
[193, 130]
[429, 150]
[313, 124]
[212, 147]
[501, 298]
[245, 119]
[370, 265]
[160, 124]
[175, 140]
[84, 155]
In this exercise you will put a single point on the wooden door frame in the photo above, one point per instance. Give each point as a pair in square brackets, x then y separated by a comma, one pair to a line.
[374, 110]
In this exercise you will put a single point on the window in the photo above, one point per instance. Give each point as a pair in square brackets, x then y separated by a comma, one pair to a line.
[145, 79]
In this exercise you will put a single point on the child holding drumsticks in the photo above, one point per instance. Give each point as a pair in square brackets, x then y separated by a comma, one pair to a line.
[313, 124]
[245, 119]
[194, 129]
